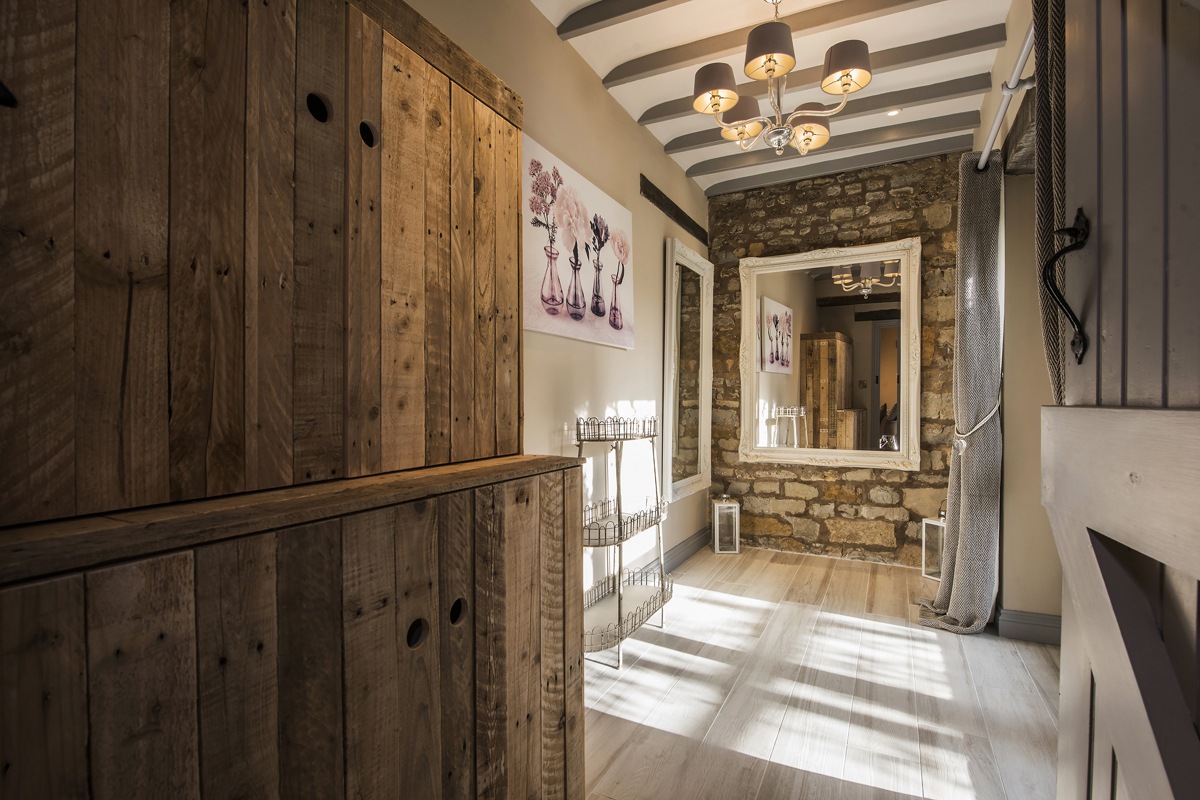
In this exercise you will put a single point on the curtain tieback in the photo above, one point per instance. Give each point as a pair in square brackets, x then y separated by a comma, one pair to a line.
[960, 439]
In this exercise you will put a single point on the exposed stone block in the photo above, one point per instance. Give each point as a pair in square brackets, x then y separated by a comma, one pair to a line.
[872, 532]
[924, 502]
[884, 495]
[766, 487]
[800, 490]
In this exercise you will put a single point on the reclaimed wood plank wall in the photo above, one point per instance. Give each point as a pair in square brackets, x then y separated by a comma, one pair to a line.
[1132, 168]
[355, 656]
[246, 246]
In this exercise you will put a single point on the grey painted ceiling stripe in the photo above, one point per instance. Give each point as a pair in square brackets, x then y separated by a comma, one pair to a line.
[874, 159]
[872, 104]
[912, 55]
[967, 120]
[813, 20]
[604, 13]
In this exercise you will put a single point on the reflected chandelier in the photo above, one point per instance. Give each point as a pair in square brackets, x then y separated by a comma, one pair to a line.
[868, 276]
[770, 56]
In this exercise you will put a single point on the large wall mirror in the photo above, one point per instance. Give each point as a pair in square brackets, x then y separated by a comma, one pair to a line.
[687, 372]
[831, 357]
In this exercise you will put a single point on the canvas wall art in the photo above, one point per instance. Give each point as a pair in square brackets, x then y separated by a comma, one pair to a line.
[577, 254]
[776, 337]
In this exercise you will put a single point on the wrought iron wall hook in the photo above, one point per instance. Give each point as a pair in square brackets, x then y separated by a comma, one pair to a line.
[1078, 234]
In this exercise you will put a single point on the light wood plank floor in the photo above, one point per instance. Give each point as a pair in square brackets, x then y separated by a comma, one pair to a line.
[781, 676]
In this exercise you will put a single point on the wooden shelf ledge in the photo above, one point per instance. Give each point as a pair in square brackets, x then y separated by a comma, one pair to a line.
[49, 548]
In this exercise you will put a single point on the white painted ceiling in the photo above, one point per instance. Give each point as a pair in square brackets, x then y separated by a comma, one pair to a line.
[930, 58]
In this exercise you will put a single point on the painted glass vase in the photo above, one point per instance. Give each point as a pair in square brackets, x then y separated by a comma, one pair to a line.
[615, 320]
[597, 298]
[576, 303]
[552, 293]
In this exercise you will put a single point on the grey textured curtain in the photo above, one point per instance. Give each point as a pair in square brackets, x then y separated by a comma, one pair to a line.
[971, 554]
[1049, 36]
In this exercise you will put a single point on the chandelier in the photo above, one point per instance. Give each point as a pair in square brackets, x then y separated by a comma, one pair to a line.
[770, 56]
[869, 276]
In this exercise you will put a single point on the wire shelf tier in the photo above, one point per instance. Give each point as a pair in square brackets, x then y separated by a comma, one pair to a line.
[644, 592]
[612, 429]
[602, 527]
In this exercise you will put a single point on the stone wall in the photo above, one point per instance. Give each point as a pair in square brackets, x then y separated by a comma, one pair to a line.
[856, 513]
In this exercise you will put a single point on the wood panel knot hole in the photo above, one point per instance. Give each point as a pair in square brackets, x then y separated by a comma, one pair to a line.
[418, 631]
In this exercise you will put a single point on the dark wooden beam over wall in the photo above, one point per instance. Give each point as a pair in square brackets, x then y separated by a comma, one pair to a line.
[673, 212]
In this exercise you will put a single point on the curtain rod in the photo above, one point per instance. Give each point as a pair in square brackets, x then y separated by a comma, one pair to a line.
[1015, 84]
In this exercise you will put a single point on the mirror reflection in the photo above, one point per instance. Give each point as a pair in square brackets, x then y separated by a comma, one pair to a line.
[830, 361]
[835, 362]
[687, 371]
[685, 456]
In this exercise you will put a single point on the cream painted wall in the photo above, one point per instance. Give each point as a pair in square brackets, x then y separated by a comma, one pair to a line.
[568, 111]
[1030, 574]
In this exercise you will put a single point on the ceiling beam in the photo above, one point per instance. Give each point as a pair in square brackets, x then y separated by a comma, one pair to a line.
[605, 13]
[872, 104]
[911, 55]
[814, 20]
[939, 147]
[951, 123]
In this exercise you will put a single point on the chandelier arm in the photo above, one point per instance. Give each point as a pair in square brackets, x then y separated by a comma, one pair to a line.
[746, 144]
[764, 121]
[829, 112]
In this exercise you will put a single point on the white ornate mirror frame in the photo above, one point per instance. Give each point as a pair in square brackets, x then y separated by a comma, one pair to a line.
[681, 257]
[908, 251]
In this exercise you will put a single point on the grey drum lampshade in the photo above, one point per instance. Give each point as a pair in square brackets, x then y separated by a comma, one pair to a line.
[891, 268]
[714, 85]
[747, 108]
[769, 51]
[816, 127]
[842, 275]
[850, 58]
[869, 272]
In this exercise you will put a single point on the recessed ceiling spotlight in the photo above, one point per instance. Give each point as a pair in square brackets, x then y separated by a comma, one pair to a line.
[894, 112]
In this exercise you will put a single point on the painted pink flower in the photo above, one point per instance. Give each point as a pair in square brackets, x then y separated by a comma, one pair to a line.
[570, 216]
[620, 246]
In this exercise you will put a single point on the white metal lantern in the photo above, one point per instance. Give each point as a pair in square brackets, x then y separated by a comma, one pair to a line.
[726, 514]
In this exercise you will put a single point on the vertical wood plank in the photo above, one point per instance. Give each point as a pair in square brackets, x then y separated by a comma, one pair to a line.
[1183, 235]
[309, 575]
[364, 107]
[1181, 613]
[319, 302]
[417, 614]
[1146, 180]
[1111, 209]
[573, 631]
[270, 241]
[462, 274]
[142, 679]
[508, 289]
[207, 250]
[37, 245]
[1082, 187]
[236, 650]
[373, 736]
[403, 298]
[485, 281]
[553, 688]
[491, 649]
[1074, 706]
[438, 304]
[43, 692]
[122, 132]
[456, 582]
[518, 530]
